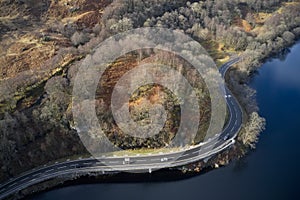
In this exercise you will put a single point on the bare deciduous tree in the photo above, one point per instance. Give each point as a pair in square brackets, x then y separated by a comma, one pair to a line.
[253, 128]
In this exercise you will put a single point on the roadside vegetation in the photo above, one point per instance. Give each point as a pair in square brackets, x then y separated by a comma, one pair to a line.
[250, 134]
[42, 45]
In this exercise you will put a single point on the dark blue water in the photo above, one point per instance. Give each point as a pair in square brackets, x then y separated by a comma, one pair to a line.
[272, 171]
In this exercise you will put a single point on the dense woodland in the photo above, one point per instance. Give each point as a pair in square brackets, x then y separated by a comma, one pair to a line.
[42, 132]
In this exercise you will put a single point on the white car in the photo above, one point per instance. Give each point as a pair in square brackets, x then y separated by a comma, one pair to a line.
[163, 159]
[226, 137]
[126, 161]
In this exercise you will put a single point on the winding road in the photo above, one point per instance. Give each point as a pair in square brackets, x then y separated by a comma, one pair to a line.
[144, 163]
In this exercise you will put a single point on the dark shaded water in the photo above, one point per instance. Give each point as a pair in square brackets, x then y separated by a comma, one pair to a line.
[269, 172]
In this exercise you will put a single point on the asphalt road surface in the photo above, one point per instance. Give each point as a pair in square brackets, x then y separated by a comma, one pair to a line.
[145, 163]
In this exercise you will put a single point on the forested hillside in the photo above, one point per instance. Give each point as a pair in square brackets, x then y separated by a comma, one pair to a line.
[43, 44]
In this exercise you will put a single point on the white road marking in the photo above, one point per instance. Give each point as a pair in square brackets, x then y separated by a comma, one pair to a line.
[232, 128]
[210, 146]
[12, 184]
[87, 163]
[38, 174]
[50, 170]
[114, 162]
[62, 167]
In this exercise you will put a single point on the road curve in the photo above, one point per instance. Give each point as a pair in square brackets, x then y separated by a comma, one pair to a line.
[137, 163]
